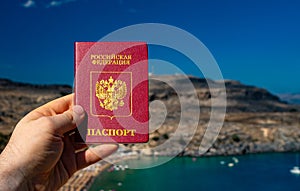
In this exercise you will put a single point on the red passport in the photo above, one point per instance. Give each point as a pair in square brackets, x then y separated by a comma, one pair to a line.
[111, 84]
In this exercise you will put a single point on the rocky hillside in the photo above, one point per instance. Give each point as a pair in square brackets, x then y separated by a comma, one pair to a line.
[240, 97]
[17, 99]
[256, 120]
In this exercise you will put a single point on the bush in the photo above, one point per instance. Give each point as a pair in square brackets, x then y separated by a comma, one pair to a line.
[235, 138]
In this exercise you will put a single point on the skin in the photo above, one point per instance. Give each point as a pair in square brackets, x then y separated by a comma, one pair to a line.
[41, 153]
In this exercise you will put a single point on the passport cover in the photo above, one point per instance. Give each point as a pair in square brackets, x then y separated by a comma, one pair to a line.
[111, 84]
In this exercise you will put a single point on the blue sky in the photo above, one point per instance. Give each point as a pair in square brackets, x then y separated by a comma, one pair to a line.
[254, 41]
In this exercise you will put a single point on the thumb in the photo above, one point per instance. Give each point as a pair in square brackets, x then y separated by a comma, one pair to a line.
[68, 120]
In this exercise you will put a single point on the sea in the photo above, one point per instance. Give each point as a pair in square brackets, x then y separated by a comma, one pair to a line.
[254, 172]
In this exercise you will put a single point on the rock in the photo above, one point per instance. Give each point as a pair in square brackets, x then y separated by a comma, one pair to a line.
[256, 120]
[147, 152]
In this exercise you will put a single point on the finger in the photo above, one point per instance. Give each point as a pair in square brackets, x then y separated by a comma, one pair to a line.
[54, 107]
[59, 105]
[67, 156]
[68, 120]
[93, 155]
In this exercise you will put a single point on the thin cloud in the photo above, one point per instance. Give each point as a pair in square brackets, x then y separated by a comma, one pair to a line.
[45, 4]
[58, 3]
[28, 4]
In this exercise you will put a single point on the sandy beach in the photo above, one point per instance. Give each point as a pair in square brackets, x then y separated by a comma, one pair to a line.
[83, 179]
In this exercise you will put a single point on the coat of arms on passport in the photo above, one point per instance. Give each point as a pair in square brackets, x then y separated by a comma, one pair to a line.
[111, 84]
[110, 93]
[113, 93]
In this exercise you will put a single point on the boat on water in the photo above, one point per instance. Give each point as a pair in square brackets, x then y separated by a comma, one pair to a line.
[295, 170]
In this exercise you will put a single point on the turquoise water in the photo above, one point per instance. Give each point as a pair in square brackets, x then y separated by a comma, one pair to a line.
[251, 173]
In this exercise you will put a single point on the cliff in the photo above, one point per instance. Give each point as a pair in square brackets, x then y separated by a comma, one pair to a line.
[256, 120]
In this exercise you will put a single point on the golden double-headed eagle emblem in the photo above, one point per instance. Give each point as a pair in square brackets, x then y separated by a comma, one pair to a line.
[111, 93]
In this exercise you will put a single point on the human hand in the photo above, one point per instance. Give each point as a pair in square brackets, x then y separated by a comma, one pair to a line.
[41, 153]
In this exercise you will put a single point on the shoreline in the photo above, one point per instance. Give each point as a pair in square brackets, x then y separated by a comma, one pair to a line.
[192, 174]
[83, 179]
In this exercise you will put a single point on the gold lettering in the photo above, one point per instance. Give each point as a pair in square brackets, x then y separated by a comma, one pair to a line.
[111, 132]
[98, 133]
[104, 133]
[119, 132]
[110, 59]
[91, 132]
[132, 132]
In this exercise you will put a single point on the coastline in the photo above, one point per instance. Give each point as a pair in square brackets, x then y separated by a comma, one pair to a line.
[247, 172]
[256, 122]
[84, 178]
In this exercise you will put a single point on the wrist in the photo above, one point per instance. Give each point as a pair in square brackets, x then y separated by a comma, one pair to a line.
[11, 177]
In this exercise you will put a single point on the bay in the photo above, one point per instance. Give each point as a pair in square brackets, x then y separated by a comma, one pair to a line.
[266, 172]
